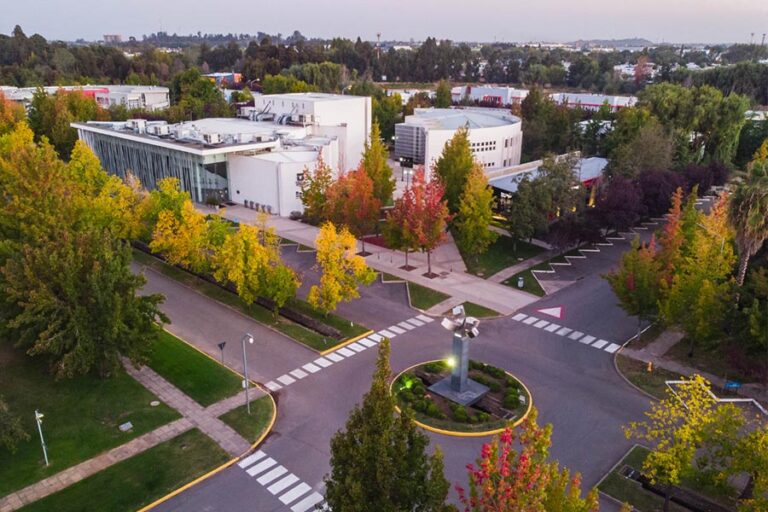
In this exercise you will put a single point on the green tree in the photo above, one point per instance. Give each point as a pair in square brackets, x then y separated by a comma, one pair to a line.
[472, 222]
[196, 97]
[443, 97]
[375, 165]
[747, 213]
[387, 111]
[342, 271]
[11, 430]
[379, 461]
[651, 149]
[314, 190]
[527, 212]
[453, 167]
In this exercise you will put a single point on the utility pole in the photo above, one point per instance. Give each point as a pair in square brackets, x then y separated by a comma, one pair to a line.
[378, 45]
[39, 420]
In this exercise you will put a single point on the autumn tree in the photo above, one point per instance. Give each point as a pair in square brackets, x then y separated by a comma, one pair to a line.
[314, 190]
[454, 166]
[379, 460]
[167, 197]
[182, 241]
[473, 220]
[342, 271]
[430, 215]
[351, 202]
[375, 165]
[504, 478]
[11, 114]
[399, 229]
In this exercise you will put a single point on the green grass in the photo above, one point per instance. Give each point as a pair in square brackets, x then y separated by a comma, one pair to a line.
[629, 491]
[637, 373]
[138, 481]
[82, 416]
[707, 360]
[530, 284]
[253, 426]
[503, 253]
[293, 330]
[478, 311]
[203, 379]
[423, 297]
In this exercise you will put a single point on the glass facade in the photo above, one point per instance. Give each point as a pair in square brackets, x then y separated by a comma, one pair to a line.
[201, 176]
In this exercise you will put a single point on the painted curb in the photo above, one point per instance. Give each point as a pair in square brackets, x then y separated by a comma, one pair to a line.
[343, 343]
[454, 433]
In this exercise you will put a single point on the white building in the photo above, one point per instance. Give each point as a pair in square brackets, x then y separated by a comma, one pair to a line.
[593, 101]
[259, 161]
[407, 94]
[495, 135]
[133, 97]
[489, 94]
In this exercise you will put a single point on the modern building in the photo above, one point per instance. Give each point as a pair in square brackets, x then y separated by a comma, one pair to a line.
[133, 97]
[593, 101]
[258, 161]
[224, 79]
[489, 95]
[495, 135]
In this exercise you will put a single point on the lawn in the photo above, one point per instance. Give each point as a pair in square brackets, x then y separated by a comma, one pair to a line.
[203, 379]
[711, 361]
[629, 491]
[291, 329]
[503, 253]
[423, 297]
[138, 481]
[252, 426]
[476, 310]
[82, 416]
[637, 373]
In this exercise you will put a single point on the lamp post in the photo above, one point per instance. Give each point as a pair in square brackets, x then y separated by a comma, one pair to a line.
[246, 383]
[39, 420]
[221, 347]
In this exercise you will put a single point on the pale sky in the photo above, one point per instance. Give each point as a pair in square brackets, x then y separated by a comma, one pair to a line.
[460, 20]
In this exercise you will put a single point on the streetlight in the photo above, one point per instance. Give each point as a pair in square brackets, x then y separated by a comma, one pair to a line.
[248, 337]
[221, 347]
[39, 420]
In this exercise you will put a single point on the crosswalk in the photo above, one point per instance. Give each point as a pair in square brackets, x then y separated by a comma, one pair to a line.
[281, 483]
[347, 351]
[568, 333]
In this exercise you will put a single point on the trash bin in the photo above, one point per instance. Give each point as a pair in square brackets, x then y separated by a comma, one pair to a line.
[520, 282]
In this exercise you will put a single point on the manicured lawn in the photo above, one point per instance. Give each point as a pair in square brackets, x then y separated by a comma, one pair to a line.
[637, 373]
[530, 284]
[629, 491]
[253, 426]
[82, 416]
[478, 311]
[293, 330]
[138, 481]
[711, 361]
[204, 380]
[423, 297]
[500, 255]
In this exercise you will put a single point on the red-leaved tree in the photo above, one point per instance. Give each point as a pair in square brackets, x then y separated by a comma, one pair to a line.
[350, 202]
[429, 217]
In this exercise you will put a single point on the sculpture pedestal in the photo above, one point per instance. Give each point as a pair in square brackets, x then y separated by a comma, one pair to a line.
[472, 392]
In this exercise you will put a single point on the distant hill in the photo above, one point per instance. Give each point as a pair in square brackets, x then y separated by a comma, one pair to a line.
[632, 42]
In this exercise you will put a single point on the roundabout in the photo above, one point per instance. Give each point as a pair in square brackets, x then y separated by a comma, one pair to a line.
[506, 402]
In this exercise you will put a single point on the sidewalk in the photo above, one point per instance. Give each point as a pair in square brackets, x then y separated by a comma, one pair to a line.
[503, 275]
[451, 280]
[194, 416]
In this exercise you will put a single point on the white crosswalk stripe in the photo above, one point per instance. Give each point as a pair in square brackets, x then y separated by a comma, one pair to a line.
[387, 334]
[311, 368]
[587, 340]
[395, 329]
[376, 337]
[530, 320]
[283, 483]
[551, 327]
[564, 331]
[425, 318]
[299, 374]
[519, 317]
[307, 503]
[415, 322]
[333, 356]
[323, 362]
[356, 347]
[273, 386]
[286, 380]
[575, 335]
[271, 475]
[345, 352]
[599, 344]
[612, 348]
[251, 459]
[541, 323]
[261, 467]
[367, 342]
[294, 493]
[406, 326]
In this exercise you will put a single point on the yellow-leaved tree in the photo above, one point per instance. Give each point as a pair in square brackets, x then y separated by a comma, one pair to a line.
[240, 260]
[342, 271]
[183, 239]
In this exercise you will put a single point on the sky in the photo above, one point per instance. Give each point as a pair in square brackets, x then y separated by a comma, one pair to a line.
[705, 21]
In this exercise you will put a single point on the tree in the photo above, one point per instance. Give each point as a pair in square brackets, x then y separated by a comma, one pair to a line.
[650, 149]
[73, 298]
[430, 215]
[443, 95]
[195, 97]
[314, 190]
[350, 202]
[11, 114]
[453, 167]
[241, 260]
[525, 480]
[11, 430]
[637, 282]
[527, 212]
[167, 197]
[375, 166]
[747, 213]
[750, 456]
[620, 204]
[475, 215]
[182, 241]
[379, 461]
[399, 229]
[342, 272]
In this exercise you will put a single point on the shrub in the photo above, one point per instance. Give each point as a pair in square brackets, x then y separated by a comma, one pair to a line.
[485, 381]
[419, 389]
[435, 367]
[474, 365]
[511, 400]
[433, 411]
[482, 417]
[407, 396]
[512, 383]
[494, 372]
[460, 413]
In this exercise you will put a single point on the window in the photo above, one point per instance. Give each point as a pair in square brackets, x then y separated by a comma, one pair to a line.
[506, 143]
[298, 194]
[299, 177]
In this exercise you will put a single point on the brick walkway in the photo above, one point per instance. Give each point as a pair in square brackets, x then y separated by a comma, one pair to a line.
[194, 416]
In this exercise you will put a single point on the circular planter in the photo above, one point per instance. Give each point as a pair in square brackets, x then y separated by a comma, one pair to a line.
[507, 403]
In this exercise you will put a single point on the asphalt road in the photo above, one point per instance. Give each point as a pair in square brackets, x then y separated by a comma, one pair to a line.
[574, 385]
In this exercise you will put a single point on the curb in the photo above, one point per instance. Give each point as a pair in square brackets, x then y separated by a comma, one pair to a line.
[343, 343]
[229, 463]
[454, 433]
[616, 365]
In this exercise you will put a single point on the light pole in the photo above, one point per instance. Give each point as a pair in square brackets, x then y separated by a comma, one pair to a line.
[248, 337]
[39, 420]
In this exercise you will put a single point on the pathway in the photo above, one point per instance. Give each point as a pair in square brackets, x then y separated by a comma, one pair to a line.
[504, 274]
[194, 416]
[451, 280]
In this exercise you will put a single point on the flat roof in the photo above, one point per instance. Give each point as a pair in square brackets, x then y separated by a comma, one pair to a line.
[588, 169]
[310, 96]
[454, 118]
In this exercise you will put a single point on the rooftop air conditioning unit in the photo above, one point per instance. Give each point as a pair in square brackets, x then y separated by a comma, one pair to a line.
[212, 138]
[159, 129]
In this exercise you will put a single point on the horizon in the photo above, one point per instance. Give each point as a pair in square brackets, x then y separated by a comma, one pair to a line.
[550, 21]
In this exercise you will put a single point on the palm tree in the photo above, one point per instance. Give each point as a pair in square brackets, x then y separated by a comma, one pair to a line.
[748, 214]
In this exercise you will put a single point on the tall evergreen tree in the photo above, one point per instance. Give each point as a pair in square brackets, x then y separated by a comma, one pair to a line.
[443, 97]
[748, 214]
[376, 167]
[453, 167]
[473, 235]
[379, 462]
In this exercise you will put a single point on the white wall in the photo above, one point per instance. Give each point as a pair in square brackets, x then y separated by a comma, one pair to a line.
[253, 179]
